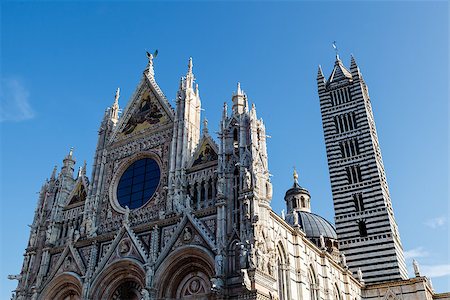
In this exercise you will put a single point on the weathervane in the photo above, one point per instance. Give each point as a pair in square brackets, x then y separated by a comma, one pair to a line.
[335, 48]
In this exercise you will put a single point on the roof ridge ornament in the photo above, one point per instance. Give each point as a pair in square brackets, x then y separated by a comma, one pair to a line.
[336, 50]
[149, 71]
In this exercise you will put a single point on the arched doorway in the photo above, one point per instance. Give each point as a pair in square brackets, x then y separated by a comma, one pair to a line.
[123, 279]
[186, 274]
[66, 286]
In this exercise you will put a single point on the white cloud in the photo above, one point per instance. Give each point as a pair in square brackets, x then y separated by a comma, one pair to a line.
[436, 270]
[436, 222]
[414, 253]
[14, 105]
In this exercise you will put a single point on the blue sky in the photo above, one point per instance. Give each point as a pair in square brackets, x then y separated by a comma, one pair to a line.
[61, 63]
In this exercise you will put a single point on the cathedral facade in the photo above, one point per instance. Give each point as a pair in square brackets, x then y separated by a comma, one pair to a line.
[169, 213]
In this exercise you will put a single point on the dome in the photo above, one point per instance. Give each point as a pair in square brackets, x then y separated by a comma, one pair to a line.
[314, 226]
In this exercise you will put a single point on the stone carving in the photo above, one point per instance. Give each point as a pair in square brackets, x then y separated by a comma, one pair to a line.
[145, 295]
[344, 260]
[247, 179]
[416, 268]
[218, 264]
[149, 274]
[187, 234]
[243, 256]
[126, 216]
[124, 247]
[295, 218]
[322, 242]
[220, 186]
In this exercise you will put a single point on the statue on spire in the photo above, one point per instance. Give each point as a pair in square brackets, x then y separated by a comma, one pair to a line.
[295, 175]
[149, 70]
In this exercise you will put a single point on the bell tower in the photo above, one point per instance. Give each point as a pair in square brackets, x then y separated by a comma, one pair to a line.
[365, 223]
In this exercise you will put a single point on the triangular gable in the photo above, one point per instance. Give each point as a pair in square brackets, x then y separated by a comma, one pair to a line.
[148, 108]
[79, 192]
[339, 72]
[390, 295]
[189, 231]
[125, 245]
[205, 152]
[69, 261]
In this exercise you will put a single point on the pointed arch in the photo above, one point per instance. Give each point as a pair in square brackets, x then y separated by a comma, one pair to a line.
[67, 285]
[313, 283]
[283, 274]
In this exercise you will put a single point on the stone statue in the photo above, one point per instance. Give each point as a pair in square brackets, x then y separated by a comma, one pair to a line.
[220, 186]
[247, 179]
[243, 256]
[344, 260]
[283, 215]
[218, 264]
[360, 275]
[322, 242]
[295, 218]
[48, 234]
[246, 207]
[187, 235]
[126, 216]
[145, 295]
[416, 268]
[188, 202]
[252, 257]
[76, 236]
[109, 214]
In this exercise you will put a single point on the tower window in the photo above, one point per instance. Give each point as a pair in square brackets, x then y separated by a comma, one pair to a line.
[358, 200]
[362, 228]
[345, 122]
[340, 96]
[349, 148]
[353, 174]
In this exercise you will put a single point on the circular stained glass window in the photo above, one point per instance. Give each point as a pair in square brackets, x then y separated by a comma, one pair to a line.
[138, 183]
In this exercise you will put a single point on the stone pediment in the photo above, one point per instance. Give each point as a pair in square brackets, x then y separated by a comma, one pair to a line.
[206, 152]
[79, 192]
[148, 110]
[68, 261]
[190, 231]
[125, 245]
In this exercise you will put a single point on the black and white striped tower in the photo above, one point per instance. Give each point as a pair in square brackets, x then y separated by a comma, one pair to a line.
[365, 223]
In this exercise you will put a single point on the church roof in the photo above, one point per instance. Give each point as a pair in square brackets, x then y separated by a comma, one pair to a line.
[314, 225]
[339, 72]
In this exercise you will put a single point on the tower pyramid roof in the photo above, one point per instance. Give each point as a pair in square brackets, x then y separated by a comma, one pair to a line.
[339, 72]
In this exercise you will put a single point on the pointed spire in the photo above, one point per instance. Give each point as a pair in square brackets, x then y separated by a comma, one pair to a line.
[225, 110]
[319, 72]
[190, 66]
[354, 69]
[238, 90]
[114, 112]
[189, 75]
[53, 176]
[197, 93]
